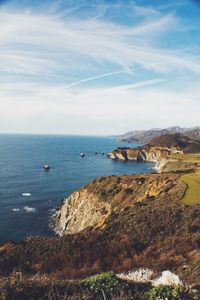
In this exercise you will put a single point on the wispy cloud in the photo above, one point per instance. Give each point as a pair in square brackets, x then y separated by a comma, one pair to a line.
[92, 78]
[32, 43]
[96, 62]
[115, 89]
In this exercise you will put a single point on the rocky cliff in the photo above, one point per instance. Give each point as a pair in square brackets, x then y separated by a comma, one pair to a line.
[160, 150]
[117, 223]
[159, 155]
[122, 223]
[79, 211]
[93, 204]
[153, 154]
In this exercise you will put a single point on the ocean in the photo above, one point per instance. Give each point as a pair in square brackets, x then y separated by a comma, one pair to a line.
[29, 195]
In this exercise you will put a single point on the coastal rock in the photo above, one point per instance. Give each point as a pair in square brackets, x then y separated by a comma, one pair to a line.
[158, 150]
[93, 204]
[151, 154]
[146, 226]
[161, 164]
[79, 211]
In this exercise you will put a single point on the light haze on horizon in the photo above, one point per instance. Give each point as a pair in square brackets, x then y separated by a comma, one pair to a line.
[98, 67]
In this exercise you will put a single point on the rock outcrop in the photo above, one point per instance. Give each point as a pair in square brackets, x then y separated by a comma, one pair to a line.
[159, 150]
[79, 211]
[93, 204]
[123, 223]
[158, 155]
[117, 223]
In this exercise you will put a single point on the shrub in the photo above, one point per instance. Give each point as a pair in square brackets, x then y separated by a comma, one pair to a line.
[168, 293]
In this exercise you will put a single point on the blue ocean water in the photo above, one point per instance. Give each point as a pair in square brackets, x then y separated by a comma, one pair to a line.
[21, 171]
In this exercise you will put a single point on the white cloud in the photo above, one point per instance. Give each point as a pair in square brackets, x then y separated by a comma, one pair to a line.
[32, 43]
[56, 72]
[116, 110]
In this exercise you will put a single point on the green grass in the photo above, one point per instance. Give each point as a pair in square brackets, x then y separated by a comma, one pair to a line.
[187, 157]
[192, 195]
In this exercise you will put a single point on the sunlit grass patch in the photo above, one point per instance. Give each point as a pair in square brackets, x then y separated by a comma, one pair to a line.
[186, 157]
[192, 195]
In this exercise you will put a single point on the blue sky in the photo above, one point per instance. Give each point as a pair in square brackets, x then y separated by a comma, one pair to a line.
[98, 67]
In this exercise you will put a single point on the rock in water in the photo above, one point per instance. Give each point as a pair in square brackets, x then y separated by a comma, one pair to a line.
[46, 167]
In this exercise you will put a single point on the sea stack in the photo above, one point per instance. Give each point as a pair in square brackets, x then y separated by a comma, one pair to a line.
[46, 167]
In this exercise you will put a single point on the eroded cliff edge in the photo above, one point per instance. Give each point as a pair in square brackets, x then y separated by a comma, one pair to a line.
[92, 205]
[161, 150]
[121, 223]
[141, 222]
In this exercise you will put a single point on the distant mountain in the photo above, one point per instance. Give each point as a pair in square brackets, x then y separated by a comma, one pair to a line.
[145, 136]
[193, 133]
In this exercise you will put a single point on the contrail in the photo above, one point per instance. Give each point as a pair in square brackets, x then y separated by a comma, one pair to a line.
[83, 81]
[136, 85]
[93, 78]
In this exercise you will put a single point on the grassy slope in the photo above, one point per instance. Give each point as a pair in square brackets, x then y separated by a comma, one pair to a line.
[192, 195]
[192, 180]
[187, 157]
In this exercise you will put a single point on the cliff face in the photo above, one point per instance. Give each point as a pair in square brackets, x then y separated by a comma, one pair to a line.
[93, 204]
[79, 211]
[158, 149]
[163, 158]
[116, 223]
[154, 154]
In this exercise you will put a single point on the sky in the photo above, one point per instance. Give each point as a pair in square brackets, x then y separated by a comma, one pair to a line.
[98, 67]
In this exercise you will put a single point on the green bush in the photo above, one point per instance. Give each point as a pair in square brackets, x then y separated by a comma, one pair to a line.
[168, 293]
[104, 284]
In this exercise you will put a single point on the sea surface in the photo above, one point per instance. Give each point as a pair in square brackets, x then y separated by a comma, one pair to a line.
[29, 195]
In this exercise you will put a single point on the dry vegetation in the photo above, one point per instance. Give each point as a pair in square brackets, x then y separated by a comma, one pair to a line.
[176, 140]
[105, 286]
[149, 226]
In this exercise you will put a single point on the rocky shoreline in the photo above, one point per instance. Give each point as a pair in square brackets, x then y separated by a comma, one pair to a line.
[159, 155]
[122, 223]
[84, 209]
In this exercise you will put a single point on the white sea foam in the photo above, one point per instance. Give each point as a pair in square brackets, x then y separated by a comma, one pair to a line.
[29, 209]
[26, 194]
[16, 209]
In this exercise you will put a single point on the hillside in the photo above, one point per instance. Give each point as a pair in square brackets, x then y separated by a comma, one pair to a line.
[144, 136]
[119, 224]
[160, 150]
[146, 225]
[176, 140]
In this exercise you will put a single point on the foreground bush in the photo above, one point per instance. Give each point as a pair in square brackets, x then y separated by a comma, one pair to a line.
[105, 286]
